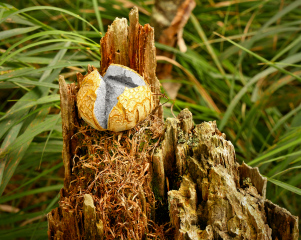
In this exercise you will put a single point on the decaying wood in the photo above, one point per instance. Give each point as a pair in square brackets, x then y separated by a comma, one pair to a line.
[108, 177]
[169, 19]
[93, 227]
[107, 191]
[132, 46]
[68, 112]
[217, 197]
[60, 219]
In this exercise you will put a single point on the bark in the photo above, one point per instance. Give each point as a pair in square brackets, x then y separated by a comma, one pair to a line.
[111, 178]
[68, 112]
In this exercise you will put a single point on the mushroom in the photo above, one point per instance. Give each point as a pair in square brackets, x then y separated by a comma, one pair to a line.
[116, 102]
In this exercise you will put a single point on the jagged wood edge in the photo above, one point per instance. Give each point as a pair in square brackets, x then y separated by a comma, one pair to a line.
[58, 219]
[69, 123]
[119, 46]
[217, 178]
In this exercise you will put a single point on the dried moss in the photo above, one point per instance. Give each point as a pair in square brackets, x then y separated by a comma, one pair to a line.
[116, 172]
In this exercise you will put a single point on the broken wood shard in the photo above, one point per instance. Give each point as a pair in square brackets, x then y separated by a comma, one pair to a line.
[255, 178]
[68, 112]
[93, 226]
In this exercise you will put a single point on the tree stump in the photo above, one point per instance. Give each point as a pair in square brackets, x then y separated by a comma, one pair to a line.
[112, 180]
[217, 198]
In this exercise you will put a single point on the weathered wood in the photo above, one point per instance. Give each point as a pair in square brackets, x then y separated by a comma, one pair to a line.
[283, 224]
[132, 46]
[108, 177]
[217, 197]
[60, 219]
[69, 123]
[93, 227]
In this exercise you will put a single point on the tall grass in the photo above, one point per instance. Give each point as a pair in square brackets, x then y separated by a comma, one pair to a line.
[246, 55]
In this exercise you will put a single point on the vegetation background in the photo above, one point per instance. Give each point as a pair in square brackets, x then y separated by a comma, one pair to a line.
[246, 54]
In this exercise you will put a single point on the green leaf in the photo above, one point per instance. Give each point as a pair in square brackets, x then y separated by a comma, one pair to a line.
[298, 153]
[277, 149]
[43, 100]
[33, 83]
[285, 186]
[252, 81]
[285, 171]
[36, 126]
[31, 192]
[16, 31]
[25, 231]
[98, 16]
[50, 8]
[32, 131]
[44, 173]
[47, 76]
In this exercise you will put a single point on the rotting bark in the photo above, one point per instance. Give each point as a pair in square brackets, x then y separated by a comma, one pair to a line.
[108, 177]
[68, 111]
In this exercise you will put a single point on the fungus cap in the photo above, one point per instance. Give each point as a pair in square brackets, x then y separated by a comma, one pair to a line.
[116, 102]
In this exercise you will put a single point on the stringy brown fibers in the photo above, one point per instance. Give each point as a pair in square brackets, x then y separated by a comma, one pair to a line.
[115, 169]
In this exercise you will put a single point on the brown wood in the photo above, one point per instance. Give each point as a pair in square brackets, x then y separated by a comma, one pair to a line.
[107, 191]
[111, 179]
[132, 46]
[169, 19]
[68, 112]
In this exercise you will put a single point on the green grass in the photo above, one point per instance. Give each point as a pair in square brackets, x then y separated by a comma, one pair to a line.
[246, 56]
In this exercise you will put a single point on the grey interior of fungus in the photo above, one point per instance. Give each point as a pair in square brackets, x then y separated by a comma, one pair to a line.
[112, 86]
